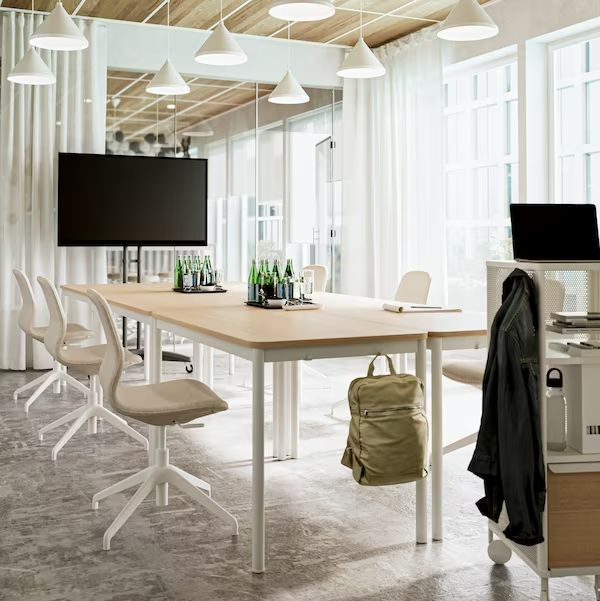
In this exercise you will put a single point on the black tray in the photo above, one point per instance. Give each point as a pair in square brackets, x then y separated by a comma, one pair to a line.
[195, 291]
[260, 305]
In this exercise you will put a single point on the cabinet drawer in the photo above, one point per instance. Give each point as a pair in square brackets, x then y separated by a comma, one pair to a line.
[573, 519]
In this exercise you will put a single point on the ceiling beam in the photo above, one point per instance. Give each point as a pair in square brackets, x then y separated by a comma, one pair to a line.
[367, 23]
[142, 47]
[390, 14]
[77, 8]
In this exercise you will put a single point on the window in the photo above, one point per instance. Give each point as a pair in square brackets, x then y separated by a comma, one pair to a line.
[577, 122]
[481, 175]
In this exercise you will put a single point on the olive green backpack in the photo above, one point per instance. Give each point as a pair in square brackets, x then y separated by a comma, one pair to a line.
[388, 438]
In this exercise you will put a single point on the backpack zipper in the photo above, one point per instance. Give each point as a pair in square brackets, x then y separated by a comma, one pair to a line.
[367, 412]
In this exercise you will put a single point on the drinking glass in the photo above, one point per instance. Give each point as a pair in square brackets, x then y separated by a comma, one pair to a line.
[219, 277]
[307, 282]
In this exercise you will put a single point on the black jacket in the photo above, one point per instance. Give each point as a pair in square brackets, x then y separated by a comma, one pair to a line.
[508, 456]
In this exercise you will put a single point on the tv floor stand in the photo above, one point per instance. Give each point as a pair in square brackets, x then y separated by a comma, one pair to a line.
[139, 350]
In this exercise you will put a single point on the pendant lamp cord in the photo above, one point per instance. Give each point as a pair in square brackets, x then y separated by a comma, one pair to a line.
[289, 32]
[221, 10]
[361, 19]
[168, 28]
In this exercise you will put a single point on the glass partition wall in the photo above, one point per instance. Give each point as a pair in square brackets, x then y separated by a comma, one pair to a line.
[274, 183]
[274, 171]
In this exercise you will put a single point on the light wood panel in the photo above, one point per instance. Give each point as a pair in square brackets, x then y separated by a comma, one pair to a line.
[253, 17]
[225, 316]
[573, 520]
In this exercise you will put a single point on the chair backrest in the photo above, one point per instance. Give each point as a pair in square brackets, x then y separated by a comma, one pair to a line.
[555, 295]
[54, 340]
[27, 314]
[414, 287]
[112, 363]
[321, 276]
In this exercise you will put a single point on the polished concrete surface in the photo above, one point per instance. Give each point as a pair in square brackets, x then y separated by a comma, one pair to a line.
[328, 539]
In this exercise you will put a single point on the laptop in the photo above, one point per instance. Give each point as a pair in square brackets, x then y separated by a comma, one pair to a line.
[555, 232]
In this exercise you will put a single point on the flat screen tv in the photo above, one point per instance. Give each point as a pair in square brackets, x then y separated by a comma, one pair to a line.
[111, 200]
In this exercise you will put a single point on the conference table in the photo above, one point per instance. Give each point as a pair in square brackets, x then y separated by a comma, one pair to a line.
[224, 322]
[446, 331]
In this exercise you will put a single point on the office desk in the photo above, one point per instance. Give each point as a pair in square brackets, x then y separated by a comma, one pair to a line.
[445, 332]
[222, 321]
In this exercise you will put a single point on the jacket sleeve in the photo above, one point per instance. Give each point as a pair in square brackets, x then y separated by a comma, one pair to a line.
[484, 462]
[517, 442]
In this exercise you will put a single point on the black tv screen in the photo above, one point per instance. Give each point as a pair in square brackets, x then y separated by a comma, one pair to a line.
[111, 200]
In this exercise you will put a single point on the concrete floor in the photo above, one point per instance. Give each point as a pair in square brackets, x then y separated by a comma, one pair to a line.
[328, 539]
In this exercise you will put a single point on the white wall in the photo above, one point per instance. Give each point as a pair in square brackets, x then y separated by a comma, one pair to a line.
[526, 29]
[521, 20]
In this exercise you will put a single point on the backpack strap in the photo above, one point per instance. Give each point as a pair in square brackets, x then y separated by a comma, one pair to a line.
[390, 363]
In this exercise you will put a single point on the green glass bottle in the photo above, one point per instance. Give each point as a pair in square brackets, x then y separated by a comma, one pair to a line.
[289, 269]
[253, 283]
[178, 276]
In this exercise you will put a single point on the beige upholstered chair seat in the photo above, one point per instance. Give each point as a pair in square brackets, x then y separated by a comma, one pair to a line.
[75, 333]
[89, 358]
[177, 401]
[467, 371]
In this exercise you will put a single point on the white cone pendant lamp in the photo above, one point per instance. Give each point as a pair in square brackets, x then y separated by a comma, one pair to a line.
[220, 49]
[200, 130]
[32, 70]
[302, 10]
[168, 82]
[59, 32]
[360, 62]
[288, 90]
[468, 22]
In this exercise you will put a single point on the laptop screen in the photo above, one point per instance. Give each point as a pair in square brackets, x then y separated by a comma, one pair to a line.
[554, 232]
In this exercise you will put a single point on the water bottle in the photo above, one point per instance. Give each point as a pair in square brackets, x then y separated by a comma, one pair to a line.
[556, 411]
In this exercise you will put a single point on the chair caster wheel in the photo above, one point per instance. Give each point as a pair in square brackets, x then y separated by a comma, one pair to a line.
[189, 368]
[499, 552]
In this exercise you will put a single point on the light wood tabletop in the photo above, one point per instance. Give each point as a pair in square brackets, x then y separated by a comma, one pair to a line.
[342, 316]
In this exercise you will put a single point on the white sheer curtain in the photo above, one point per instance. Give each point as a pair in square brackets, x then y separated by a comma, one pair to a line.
[393, 218]
[36, 123]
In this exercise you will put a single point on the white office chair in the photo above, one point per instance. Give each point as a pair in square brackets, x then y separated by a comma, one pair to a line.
[321, 276]
[87, 359]
[159, 406]
[74, 333]
[413, 288]
[471, 370]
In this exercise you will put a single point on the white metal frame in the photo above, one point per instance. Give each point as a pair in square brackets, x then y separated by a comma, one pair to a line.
[286, 445]
[58, 377]
[537, 557]
[158, 476]
[89, 413]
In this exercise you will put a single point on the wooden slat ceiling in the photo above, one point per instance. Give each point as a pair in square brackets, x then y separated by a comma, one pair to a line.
[384, 20]
[136, 112]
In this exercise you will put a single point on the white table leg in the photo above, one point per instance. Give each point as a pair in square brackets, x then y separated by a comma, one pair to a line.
[295, 403]
[147, 337]
[437, 429]
[421, 485]
[197, 360]
[232, 365]
[284, 411]
[154, 349]
[258, 461]
[208, 366]
[277, 393]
